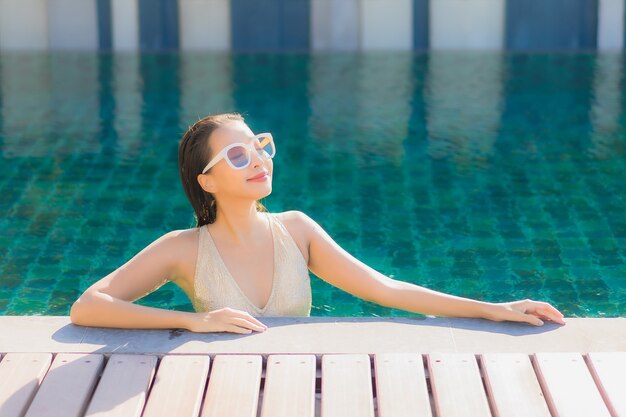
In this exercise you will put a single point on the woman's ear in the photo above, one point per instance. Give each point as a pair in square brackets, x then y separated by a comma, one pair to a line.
[206, 183]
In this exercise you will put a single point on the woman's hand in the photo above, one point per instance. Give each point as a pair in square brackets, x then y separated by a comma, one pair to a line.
[224, 320]
[528, 311]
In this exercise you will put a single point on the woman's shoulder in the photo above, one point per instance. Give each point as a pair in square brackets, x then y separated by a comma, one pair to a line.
[291, 219]
[182, 244]
[182, 236]
[289, 215]
[296, 224]
[185, 243]
[296, 219]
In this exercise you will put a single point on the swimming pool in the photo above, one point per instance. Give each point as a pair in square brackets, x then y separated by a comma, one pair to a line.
[487, 175]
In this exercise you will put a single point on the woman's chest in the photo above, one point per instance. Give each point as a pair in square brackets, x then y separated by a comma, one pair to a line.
[252, 271]
[240, 264]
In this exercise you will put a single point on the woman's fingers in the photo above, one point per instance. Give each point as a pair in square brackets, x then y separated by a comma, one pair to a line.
[247, 316]
[518, 311]
[254, 320]
[248, 324]
[528, 311]
[547, 311]
[225, 319]
[530, 318]
[548, 308]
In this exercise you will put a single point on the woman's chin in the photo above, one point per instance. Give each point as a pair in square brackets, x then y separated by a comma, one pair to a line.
[262, 194]
[260, 185]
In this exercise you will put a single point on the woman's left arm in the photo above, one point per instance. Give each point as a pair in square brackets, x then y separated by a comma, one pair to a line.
[333, 264]
[411, 297]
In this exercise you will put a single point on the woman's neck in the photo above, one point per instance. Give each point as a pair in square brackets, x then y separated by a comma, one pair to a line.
[239, 224]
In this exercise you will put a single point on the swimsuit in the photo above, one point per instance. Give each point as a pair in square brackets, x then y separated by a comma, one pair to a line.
[215, 288]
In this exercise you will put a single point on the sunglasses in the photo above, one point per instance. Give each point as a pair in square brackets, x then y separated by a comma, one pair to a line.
[238, 155]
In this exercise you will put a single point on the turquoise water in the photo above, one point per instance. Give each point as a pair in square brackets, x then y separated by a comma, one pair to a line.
[485, 175]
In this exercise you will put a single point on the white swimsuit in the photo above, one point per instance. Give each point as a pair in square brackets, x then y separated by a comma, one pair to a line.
[215, 288]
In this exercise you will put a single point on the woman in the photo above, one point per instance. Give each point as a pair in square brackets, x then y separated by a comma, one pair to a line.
[241, 262]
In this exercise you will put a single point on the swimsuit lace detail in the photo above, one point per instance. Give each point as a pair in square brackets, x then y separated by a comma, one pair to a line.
[215, 288]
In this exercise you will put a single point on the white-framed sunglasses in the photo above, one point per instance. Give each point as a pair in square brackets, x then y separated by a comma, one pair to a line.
[238, 155]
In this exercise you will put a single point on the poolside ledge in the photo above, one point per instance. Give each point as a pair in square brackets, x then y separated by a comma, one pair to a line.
[321, 335]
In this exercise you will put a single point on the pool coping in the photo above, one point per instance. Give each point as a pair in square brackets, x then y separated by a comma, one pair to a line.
[320, 335]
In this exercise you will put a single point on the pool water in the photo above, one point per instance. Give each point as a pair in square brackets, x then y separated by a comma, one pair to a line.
[493, 176]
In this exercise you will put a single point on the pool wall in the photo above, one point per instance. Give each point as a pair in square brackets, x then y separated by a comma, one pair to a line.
[320, 335]
[309, 25]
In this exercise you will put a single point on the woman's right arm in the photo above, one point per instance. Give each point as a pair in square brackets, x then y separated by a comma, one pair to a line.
[109, 301]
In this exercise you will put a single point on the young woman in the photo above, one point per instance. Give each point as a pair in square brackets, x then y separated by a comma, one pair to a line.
[241, 262]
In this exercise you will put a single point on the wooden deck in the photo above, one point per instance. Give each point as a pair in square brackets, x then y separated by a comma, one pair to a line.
[423, 382]
[387, 384]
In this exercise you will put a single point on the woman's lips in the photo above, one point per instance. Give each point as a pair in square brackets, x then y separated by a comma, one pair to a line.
[261, 178]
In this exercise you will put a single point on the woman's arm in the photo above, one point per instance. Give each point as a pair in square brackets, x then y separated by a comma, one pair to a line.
[109, 301]
[411, 297]
[333, 264]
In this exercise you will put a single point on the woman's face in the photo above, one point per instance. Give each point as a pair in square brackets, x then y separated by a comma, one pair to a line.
[222, 179]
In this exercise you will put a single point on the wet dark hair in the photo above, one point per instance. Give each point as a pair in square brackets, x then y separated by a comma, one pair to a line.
[194, 152]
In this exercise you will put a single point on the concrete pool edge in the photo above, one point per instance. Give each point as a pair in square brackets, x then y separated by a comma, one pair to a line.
[321, 335]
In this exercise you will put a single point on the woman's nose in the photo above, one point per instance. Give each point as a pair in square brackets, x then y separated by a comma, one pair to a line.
[256, 159]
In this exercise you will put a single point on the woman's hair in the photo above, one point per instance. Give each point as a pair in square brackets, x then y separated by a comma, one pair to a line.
[194, 151]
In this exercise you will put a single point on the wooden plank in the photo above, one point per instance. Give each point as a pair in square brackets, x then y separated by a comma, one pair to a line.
[289, 386]
[68, 385]
[609, 371]
[234, 385]
[20, 377]
[347, 386]
[123, 387]
[568, 386]
[401, 387]
[178, 387]
[512, 385]
[457, 385]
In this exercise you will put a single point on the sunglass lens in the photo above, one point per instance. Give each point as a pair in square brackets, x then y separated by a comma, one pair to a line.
[267, 146]
[238, 156]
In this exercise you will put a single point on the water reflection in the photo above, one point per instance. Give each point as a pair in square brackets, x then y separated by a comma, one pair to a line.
[606, 107]
[464, 102]
[39, 112]
[127, 120]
